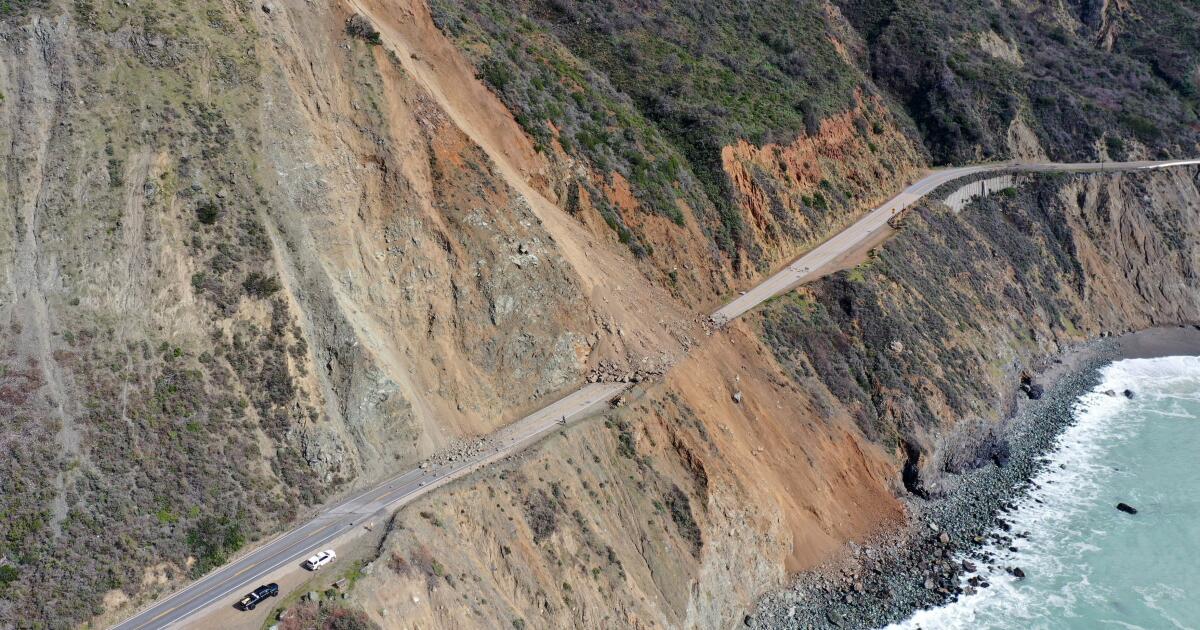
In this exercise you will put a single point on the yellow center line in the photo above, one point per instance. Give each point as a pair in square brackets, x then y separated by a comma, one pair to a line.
[252, 566]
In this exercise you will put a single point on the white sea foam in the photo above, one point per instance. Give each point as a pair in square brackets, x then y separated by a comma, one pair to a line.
[1062, 538]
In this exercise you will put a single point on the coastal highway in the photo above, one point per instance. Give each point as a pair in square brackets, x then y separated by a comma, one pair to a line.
[807, 267]
[224, 586]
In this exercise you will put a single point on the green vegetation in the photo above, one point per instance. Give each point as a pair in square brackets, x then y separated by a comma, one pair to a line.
[1116, 147]
[1073, 92]
[260, 285]
[361, 28]
[207, 212]
[541, 512]
[681, 514]
[170, 466]
[211, 541]
[654, 91]
[17, 7]
[165, 516]
[8, 575]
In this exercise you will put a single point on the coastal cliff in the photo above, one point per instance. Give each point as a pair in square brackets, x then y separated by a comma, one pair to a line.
[257, 255]
[792, 431]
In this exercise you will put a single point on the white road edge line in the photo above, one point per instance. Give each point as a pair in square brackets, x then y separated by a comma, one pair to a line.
[915, 192]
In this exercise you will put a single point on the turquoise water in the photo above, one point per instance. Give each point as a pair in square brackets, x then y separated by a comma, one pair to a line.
[1088, 565]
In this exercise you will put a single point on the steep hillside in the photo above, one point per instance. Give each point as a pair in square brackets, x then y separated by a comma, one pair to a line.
[768, 124]
[786, 435]
[676, 511]
[250, 262]
[749, 123]
[926, 342]
[257, 254]
[1071, 80]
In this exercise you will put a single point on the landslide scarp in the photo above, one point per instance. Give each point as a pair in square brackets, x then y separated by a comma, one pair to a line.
[258, 254]
[250, 262]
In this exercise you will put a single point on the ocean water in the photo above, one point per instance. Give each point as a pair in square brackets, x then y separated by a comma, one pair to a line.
[1088, 565]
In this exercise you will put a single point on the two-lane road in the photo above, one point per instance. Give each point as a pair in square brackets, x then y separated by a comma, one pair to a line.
[804, 267]
[225, 585]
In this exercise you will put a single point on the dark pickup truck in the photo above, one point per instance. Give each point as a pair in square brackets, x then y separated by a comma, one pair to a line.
[253, 599]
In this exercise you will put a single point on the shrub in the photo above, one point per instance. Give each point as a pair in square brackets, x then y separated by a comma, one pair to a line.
[398, 564]
[260, 285]
[360, 27]
[497, 73]
[1144, 128]
[211, 541]
[1116, 147]
[325, 616]
[208, 212]
[681, 514]
[8, 574]
[541, 513]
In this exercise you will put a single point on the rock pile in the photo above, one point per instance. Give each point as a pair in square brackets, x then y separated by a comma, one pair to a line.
[611, 372]
[458, 451]
[713, 324]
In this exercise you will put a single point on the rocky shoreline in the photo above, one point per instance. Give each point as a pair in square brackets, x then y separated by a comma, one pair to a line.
[933, 559]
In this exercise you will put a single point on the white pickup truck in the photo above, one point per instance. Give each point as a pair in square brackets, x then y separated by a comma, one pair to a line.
[321, 559]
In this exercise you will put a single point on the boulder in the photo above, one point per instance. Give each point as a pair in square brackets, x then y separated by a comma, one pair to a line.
[1126, 508]
[1128, 393]
[737, 397]
[1017, 573]
[1035, 391]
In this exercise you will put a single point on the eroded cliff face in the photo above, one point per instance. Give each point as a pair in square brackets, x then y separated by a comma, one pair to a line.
[927, 341]
[787, 433]
[676, 511]
[251, 261]
[713, 141]
[794, 195]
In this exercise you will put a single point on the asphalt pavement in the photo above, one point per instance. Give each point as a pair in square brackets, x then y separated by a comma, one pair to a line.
[806, 266]
[227, 584]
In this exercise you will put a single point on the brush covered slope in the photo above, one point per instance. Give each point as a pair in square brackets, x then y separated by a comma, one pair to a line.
[801, 428]
[259, 253]
[249, 263]
[769, 123]
[791, 433]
